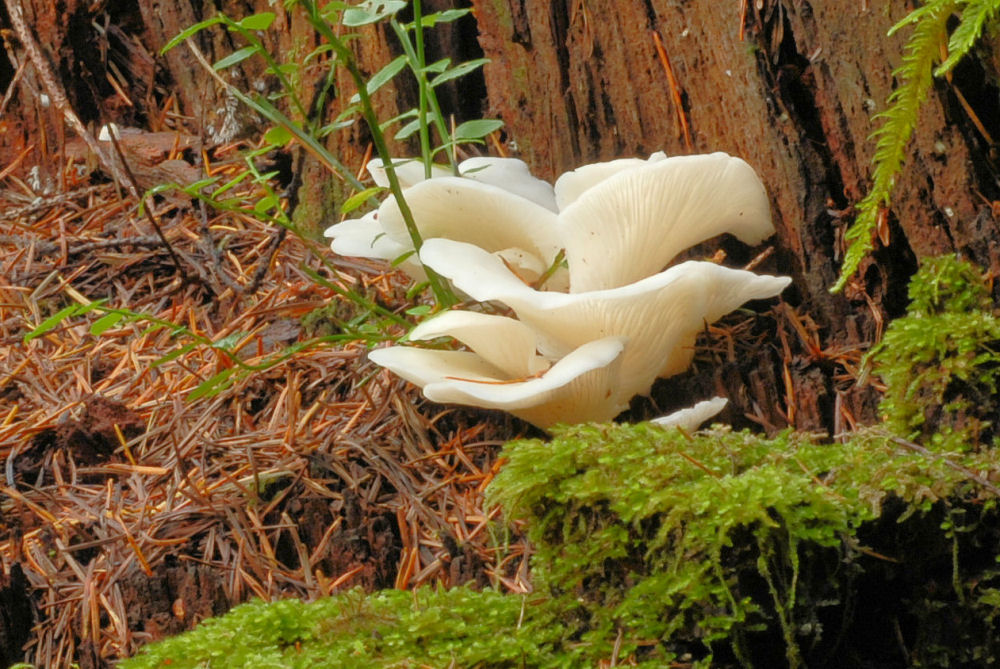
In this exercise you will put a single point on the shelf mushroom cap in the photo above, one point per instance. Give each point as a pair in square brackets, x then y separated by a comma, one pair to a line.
[660, 314]
[691, 418]
[578, 388]
[512, 175]
[409, 171]
[469, 211]
[363, 238]
[632, 224]
[622, 220]
[571, 185]
[506, 343]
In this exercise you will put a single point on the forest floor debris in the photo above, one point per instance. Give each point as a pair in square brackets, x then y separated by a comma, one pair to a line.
[133, 512]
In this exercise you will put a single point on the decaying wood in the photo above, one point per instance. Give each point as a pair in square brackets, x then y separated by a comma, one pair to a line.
[133, 514]
[54, 90]
[790, 87]
[320, 473]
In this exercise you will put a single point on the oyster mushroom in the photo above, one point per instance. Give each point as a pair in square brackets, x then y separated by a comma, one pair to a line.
[363, 238]
[621, 320]
[510, 174]
[571, 185]
[660, 315]
[497, 204]
[691, 418]
[630, 225]
[619, 222]
[470, 211]
[574, 389]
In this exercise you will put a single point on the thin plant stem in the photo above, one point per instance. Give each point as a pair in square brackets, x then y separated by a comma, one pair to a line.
[272, 64]
[427, 94]
[442, 292]
[425, 131]
[271, 113]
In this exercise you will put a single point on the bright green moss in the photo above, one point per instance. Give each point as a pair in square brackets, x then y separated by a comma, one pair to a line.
[722, 549]
[386, 629]
[702, 547]
[941, 362]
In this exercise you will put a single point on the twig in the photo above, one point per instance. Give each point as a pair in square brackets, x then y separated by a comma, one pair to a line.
[49, 247]
[134, 185]
[208, 246]
[973, 476]
[56, 94]
[675, 90]
[42, 203]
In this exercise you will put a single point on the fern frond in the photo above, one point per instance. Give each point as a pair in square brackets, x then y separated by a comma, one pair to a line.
[975, 16]
[916, 75]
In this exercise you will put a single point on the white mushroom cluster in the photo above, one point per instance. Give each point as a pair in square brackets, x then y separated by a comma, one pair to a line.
[594, 330]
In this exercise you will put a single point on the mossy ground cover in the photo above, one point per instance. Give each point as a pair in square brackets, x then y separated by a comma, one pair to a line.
[721, 549]
[658, 548]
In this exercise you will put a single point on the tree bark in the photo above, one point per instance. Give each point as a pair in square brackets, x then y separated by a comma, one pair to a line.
[791, 88]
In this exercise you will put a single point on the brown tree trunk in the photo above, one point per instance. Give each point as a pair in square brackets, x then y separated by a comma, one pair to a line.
[791, 88]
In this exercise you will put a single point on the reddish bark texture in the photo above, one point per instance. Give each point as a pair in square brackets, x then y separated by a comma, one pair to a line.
[791, 88]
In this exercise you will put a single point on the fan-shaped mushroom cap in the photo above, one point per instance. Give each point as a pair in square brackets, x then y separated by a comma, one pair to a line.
[512, 175]
[363, 238]
[632, 224]
[691, 418]
[409, 171]
[507, 344]
[469, 211]
[571, 185]
[657, 314]
[579, 388]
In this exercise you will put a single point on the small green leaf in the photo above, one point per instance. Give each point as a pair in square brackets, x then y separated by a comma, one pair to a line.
[318, 51]
[190, 31]
[234, 58]
[155, 190]
[360, 198]
[371, 11]
[399, 260]
[265, 204]
[437, 66]
[53, 321]
[228, 341]
[333, 127]
[159, 326]
[382, 77]
[278, 136]
[447, 16]
[414, 125]
[195, 188]
[416, 289]
[472, 130]
[396, 119]
[213, 386]
[260, 21]
[419, 310]
[458, 71]
[176, 353]
[106, 322]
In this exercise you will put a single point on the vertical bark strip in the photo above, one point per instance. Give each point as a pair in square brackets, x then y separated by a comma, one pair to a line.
[791, 87]
[580, 81]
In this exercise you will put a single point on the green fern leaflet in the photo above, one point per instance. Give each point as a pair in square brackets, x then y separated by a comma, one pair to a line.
[916, 75]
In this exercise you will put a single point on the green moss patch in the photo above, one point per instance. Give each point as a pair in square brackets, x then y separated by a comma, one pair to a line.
[656, 548]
